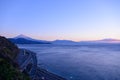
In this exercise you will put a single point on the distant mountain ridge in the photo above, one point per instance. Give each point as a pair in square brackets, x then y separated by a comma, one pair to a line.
[64, 42]
[22, 39]
[109, 40]
[28, 38]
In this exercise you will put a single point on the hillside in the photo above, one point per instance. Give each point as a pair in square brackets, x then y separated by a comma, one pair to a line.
[21, 64]
[9, 69]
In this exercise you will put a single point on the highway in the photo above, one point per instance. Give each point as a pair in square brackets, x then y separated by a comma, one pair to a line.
[26, 57]
[27, 61]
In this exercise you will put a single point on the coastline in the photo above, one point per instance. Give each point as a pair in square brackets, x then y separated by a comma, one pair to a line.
[27, 62]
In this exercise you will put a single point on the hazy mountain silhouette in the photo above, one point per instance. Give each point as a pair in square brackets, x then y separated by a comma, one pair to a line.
[22, 39]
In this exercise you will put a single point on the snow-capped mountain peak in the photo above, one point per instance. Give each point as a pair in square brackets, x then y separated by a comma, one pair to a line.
[28, 38]
[23, 36]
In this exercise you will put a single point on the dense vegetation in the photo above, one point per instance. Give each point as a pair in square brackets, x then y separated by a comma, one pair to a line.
[9, 70]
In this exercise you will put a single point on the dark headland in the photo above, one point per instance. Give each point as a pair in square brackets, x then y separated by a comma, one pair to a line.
[21, 64]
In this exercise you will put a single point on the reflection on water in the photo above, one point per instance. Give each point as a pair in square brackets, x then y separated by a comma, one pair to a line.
[79, 62]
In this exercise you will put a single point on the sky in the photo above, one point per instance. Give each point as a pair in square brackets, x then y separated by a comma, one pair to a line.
[61, 19]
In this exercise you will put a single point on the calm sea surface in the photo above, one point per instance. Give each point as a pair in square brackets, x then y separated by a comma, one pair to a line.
[79, 62]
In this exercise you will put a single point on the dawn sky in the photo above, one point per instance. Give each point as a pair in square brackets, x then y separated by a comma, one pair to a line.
[60, 19]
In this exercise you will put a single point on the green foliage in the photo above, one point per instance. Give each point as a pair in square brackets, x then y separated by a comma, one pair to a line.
[7, 48]
[8, 72]
[9, 53]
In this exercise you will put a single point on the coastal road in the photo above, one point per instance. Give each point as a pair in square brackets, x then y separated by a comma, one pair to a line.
[26, 57]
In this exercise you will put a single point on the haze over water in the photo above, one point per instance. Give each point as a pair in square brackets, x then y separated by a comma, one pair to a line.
[79, 62]
[76, 20]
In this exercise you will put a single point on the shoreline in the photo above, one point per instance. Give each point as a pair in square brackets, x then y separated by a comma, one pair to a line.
[27, 61]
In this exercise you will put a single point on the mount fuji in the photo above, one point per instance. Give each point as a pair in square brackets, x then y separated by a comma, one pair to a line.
[22, 39]
[23, 36]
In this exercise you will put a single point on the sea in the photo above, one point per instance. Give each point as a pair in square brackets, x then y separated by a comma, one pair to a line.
[79, 62]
